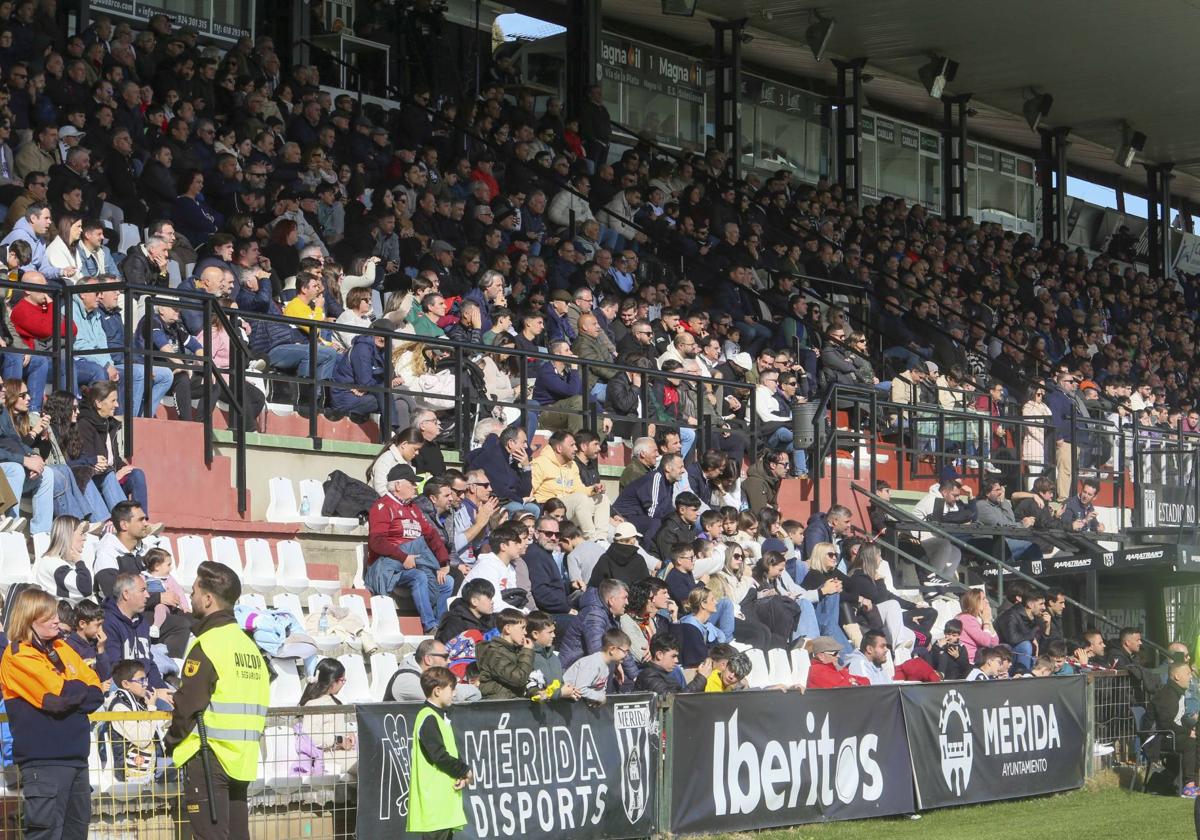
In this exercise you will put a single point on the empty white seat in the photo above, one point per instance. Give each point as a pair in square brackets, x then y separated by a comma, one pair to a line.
[225, 551]
[278, 757]
[355, 603]
[282, 506]
[41, 542]
[314, 490]
[260, 567]
[760, 676]
[358, 687]
[383, 666]
[318, 601]
[15, 565]
[779, 668]
[192, 552]
[292, 573]
[800, 663]
[130, 236]
[286, 688]
[385, 623]
[289, 602]
[254, 600]
[161, 541]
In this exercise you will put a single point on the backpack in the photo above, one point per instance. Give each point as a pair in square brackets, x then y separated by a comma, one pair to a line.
[347, 497]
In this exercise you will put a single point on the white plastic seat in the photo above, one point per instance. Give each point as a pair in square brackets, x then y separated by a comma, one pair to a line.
[355, 603]
[318, 601]
[313, 490]
[385, 623]
[760, 676]
[226, 552]
[41, 542]
[292, 572]
[289, 602]
[314, 499]
[383, 666]
[192, 552]
[15, 565]
[254, 600]
[129, 236]
[328, 644]
[164, 542]
[779, 668]
[277, 756]
[287, 687]
[358, 687]
[260, 573]
[800, 664]
[282, 506]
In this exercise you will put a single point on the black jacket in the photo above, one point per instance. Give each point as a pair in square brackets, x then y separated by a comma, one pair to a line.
[653, 678]
[620, 562]
[550, 590]
[1014, 627]
[950, 667]
[137, 269]
[93, 429]
[458, 619]
[673, 531]
[621, 401]
[1167, 704]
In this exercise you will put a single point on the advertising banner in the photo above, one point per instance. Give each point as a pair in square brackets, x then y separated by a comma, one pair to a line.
[983, 741]
[762, 759]
[543, 771]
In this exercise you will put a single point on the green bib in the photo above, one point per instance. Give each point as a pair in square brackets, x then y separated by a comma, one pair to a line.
[433, 803]
[237, 713]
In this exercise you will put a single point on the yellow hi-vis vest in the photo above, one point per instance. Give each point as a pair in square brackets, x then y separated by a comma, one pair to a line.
[237, 712]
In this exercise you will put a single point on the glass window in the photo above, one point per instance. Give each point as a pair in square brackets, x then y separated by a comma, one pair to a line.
[870, 167]
[781, 141]
[649, 111]
[973, 190]
[816, 158]
[1026, 200]
[931, 183]
[898, 171]
[691, 121]
[996, 192]
[612, 98]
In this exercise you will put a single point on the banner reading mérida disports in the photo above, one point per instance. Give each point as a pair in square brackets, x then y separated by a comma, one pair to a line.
[542, 770]
[982, 741]
[762, 759]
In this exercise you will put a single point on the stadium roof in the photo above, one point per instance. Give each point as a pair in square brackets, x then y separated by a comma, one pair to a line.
[1102, 63]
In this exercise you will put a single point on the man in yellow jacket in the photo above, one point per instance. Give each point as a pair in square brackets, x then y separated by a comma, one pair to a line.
[555, 475]
[226, 683]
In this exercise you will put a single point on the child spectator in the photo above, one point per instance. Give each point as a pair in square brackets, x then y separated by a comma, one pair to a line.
[989, 665]
[662, 675]
[546, 665]
[680, 581]
[506, 662]
[159, 565]
[729, 667]
[135, 746]
[948, 656]
[437, 775]
[591, 674]
[87, 638]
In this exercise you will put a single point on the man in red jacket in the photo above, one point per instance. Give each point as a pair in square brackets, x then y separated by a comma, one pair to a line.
[405, 550]
[33, 321]
[823, 672]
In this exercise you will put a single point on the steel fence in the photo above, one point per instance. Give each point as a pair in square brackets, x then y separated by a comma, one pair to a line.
[1112, 716]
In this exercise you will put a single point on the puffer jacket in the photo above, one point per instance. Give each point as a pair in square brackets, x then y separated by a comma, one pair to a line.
[586, 635]
[504, 669]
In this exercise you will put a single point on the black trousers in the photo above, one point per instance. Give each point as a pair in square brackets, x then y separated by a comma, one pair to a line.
[229, 795]
[58, 802]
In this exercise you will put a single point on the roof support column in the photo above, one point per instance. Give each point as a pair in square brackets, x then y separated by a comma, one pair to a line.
[1158, 217]
[1052, 177]
[583, 46]
[727, 61]
[954, 155]
[847, 126]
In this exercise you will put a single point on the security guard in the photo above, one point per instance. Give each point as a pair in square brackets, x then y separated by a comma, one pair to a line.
[225, 678]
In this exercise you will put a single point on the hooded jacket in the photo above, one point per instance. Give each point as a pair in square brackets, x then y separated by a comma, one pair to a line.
[362, 366]
[761, 488]
[620, 562]
[129, 638]
[459, 619]
[23, 232]
[673, 531]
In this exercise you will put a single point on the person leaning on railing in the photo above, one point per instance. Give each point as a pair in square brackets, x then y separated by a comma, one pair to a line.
[48, 694]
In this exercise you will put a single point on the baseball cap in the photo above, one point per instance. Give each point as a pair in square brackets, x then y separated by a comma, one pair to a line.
[625, 530]
[742, 360]
[402, 472]
[69, 131]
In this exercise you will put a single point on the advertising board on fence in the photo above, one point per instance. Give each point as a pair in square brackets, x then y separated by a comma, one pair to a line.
[542, 770]
[982, 741]
[764, 758]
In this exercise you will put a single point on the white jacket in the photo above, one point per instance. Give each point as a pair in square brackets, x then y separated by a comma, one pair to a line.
[559, 211]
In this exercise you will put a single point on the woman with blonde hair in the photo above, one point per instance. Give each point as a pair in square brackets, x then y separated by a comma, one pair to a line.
[61, 571]
[48, 693]
[824, 578]
[976, 618]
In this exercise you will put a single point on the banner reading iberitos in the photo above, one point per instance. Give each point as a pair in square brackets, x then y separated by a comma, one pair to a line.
[542, 770]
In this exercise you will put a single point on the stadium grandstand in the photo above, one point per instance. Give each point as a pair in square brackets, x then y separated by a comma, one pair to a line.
[735, 351]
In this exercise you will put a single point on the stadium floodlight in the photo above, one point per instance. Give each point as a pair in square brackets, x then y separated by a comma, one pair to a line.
[1036, 109]
[1132, 142]
[679, 8]
[938, 73]
[818, 34]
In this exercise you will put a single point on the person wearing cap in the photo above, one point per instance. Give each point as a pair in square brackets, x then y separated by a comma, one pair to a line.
[405, 550]
[623, 560]
[364, 366]
[824, 671]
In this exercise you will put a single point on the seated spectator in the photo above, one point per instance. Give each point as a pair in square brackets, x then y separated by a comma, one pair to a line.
[127, 631]
[473, 520]
[948, 655]
[365, 366]
[904, 623]
[642, 459]
[867, 662]
[146, 264]
[555, 475]
[169, 335]
[646, 502]
[679, 526]
[549, 586]
[581, 555]
[498, 566]
[402, 449]
[86, 637]
[993, 509]
[761, 485]
[591, 675]
[943, 505]
[61, 571]
[824, 671]
[405, 685]
[99, 438]
[623, 561]
[1170, 714]
[990, 664]
[661, 673]
[773, 402]
[824, 578]
[504, 460]
[30, 229]
[472, 611]
[772, 581]
[506, 662]
[558, 393]
[405, 550]
[135, 746]
[1079, 513]
[27, 475]
[600, 610]
[33, 322]
[976, 622]
[1022, 627]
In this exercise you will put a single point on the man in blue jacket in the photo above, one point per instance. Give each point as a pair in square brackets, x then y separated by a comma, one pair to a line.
[559, 388]
[1063, 402]
[648, 501]
[127, 631]
[600, 610]
[363, 366]
[548, 583]
[113, 323]
[504, 458]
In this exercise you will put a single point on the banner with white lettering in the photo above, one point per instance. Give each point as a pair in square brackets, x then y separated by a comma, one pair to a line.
[763, 759]
[983, 741]
[542, 770]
